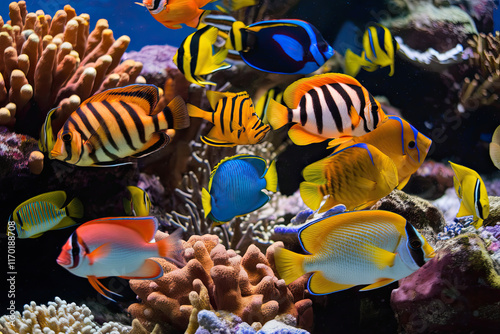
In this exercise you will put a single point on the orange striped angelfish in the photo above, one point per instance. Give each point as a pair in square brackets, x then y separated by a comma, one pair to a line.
[235, 121]
[118, 123]
[326, 106]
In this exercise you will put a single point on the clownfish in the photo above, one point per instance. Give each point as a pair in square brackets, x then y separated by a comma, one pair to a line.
[118, 123]
[372, 248]
[117, 246]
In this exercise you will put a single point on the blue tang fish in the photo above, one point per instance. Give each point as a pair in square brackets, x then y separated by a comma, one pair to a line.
[235, 187]
[280, 46]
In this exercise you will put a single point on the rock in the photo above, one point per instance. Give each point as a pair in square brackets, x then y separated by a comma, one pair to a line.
[494, 216]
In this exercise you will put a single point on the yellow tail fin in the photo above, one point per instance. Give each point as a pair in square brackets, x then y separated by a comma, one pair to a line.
[75, 209]
[290, 265]
[352, 63]
[277, 114]
[206, 201]
[311, 194]
[271, 177]
[194, 111]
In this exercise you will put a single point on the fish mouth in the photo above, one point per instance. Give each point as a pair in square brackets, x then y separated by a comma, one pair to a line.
[63, 260]
[55, 154]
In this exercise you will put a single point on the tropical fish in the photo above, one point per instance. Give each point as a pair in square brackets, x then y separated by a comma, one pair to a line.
[355, 248]
[234, 119]
[172, 13]
[235, 187]
[138, 204]
[495, 148]
[263, 102]
[326, 106]
[397, 139]
[356, 176]
[379, 48]
[280, 46]
[234, 5]
[47, 140]
[45, 212]
[220, 20]
[118, 123]
[116, 246]
[472, 193]
[194, 57]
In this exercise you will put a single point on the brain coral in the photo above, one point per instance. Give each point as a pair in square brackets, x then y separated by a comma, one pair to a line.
[246, 286]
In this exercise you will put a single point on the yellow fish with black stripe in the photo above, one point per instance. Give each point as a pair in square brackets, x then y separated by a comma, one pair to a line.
[137, 203]
[379, 49]
[262, 103]
[195, 57]
[235, 121]
[118, 123]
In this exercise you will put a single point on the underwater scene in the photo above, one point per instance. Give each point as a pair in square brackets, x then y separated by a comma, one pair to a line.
[250, 166]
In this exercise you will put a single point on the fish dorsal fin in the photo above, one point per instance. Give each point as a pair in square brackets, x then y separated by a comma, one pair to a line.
[296, 90]
[145, 226]
[319, 285]
[290, 46]
[461, 172]
[57, 198]
[144, 95]
[214, 97]
[150, 269]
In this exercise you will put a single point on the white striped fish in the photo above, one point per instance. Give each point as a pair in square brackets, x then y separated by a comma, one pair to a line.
[235, 121]
[326, 106]
[118, 123]
[45, 212]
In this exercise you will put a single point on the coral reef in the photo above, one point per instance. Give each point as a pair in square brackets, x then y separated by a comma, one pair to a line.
[57, 317]
[246, 286]
[457, 291]
[15, 151]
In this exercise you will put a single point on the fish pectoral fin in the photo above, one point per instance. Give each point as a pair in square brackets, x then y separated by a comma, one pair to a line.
[214, 97]
[64, 223]
[380, 257]
[150, 269]
[301, 137]
[311, 194]
[338, 141]
[291, 47]
[157, 142]
[364, 183]
[99, 287]
[378, 284]
[319, 285]
[329, 203]
[99, 253]
[206, 201]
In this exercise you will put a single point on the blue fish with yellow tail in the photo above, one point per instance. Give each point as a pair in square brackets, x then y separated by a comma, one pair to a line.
[285, 46]
[137, 203]
[195, 58]
[379, 49]
[235, 187]
[234, 120]
[118, 123]
[472, 193]
[356, 176]
[46, 212]
[373, 248]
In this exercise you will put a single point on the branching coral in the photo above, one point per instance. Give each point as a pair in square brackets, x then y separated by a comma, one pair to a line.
[246, 286]
[45, 59]
[57, 317]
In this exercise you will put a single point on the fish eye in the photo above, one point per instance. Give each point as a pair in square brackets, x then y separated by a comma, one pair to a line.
[415, 244]
[411, 145]
[67, 136]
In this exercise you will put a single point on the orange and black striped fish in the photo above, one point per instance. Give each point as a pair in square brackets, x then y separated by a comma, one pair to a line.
[235, 121]
[118, 123]
[326, 106]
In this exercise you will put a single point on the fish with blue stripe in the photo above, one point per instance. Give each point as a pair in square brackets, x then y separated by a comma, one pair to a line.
[234, 119]
[372, 248]
[472, 193]
[325, 106]
[285, 46]
[118, 123]
[46, 212]
[379, 49]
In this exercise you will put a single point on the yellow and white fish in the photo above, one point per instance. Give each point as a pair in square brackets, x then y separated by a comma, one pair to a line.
[354, 248]
[234, 120]
[473, 196]
[138, 203]
[118, 123]
[45, 212]
[325, 106]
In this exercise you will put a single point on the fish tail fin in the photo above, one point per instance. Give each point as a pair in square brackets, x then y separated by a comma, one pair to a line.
[194, 111]
[75, 208]
[352, 63]
[290, 265]
[171, 245]
[277, 114]
[206, 201]
[176, 114]
[235, 39]
[311, 194]
[271, 177]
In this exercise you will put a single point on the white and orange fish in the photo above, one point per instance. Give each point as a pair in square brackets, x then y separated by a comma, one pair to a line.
[116, 246]
[173, 13]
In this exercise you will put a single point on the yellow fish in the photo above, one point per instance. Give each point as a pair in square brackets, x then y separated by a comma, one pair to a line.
[195, 58]
[355, 248]
[234, 119]
[356, 176]
[472, 193]
[400, 141]
[263, 102]
[495, 148]
[138, 202]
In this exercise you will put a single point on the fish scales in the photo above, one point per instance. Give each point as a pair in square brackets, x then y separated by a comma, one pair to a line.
[45, 212]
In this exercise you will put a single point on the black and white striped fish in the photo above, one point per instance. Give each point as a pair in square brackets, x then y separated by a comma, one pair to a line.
[118, 123]
[326, 106]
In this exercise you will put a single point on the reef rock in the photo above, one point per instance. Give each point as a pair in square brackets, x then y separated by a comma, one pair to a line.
[494, 216]
[458, 291]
